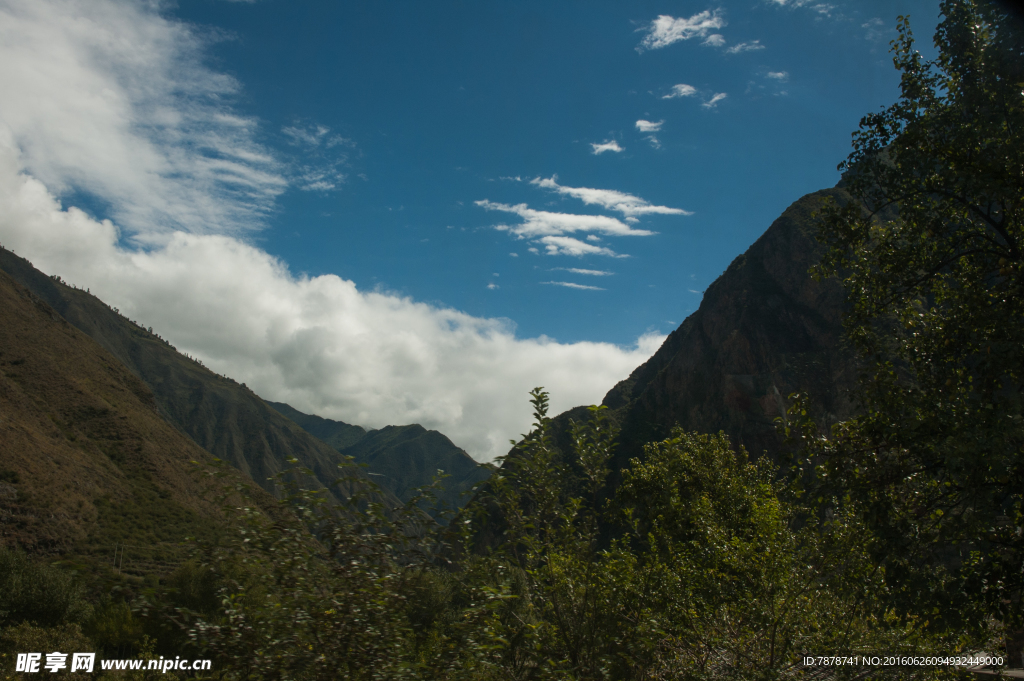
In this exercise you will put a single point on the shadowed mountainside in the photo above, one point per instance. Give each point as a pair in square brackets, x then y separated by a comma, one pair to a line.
[764, 330]
[226, 419]
[401, 459]
[87, 462]
[337, 434]
[407, 457]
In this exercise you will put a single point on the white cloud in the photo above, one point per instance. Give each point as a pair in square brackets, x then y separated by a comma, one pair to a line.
[542, 223]
[607, 145]
[111, 99]
[715, 40]
[569, 284]
[822, 8]
[592, 273]
[778, 75]
[649, 126]
[745, 47]
[714, 100]
[492, 286]
[610, 199]
[681, 90]
[666, 30]
[565, 245]
[319, 344]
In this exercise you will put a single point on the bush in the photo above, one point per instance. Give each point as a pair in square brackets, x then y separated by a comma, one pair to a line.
[31, 592]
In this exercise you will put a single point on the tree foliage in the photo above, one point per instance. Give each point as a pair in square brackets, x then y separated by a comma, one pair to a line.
[932, 257]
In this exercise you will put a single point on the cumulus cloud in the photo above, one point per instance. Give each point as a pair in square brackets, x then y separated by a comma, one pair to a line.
[714, 100]
[542, 223]
[745, 47]
[649, 126]
[112, 100]
[607, 145]
[610, 199]
[569, 284]
[681, 90]
[778, 75]
[666, 30]
[714, 40]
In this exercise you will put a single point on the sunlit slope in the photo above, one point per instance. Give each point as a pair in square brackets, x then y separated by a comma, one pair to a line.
[223, 417]
[87, 461]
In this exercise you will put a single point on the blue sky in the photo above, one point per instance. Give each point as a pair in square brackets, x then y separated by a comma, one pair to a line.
[431, 105]
[391, 212]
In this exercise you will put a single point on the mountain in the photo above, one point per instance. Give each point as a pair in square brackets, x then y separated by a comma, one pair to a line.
[401, 459]
[337, 434]
[226, 419]
[765, 329]
[404, 458]
[87, 462]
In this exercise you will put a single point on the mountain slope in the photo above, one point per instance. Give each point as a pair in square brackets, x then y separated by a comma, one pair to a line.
[401, 459]
[404, 458]
[337, 434]
[765, 329]
[224, 418]
[87, 461]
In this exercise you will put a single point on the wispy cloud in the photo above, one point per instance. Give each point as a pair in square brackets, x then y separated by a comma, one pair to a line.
[313, 135]
[569, 284]
[649, 126]
[610, 199]
[781, 76]
[565, 245]
[115, 101]
[576, 270]
[681, 90]
[714, 100]
[317, 166]
[714, 40]
[666, 30]
[745, 47]
[545, 223]
[607, 145]
[823, 8]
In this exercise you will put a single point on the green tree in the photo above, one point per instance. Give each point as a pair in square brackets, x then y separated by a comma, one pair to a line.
[931, 254]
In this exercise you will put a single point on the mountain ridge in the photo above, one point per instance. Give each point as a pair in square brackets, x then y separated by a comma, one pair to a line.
[223, 417]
